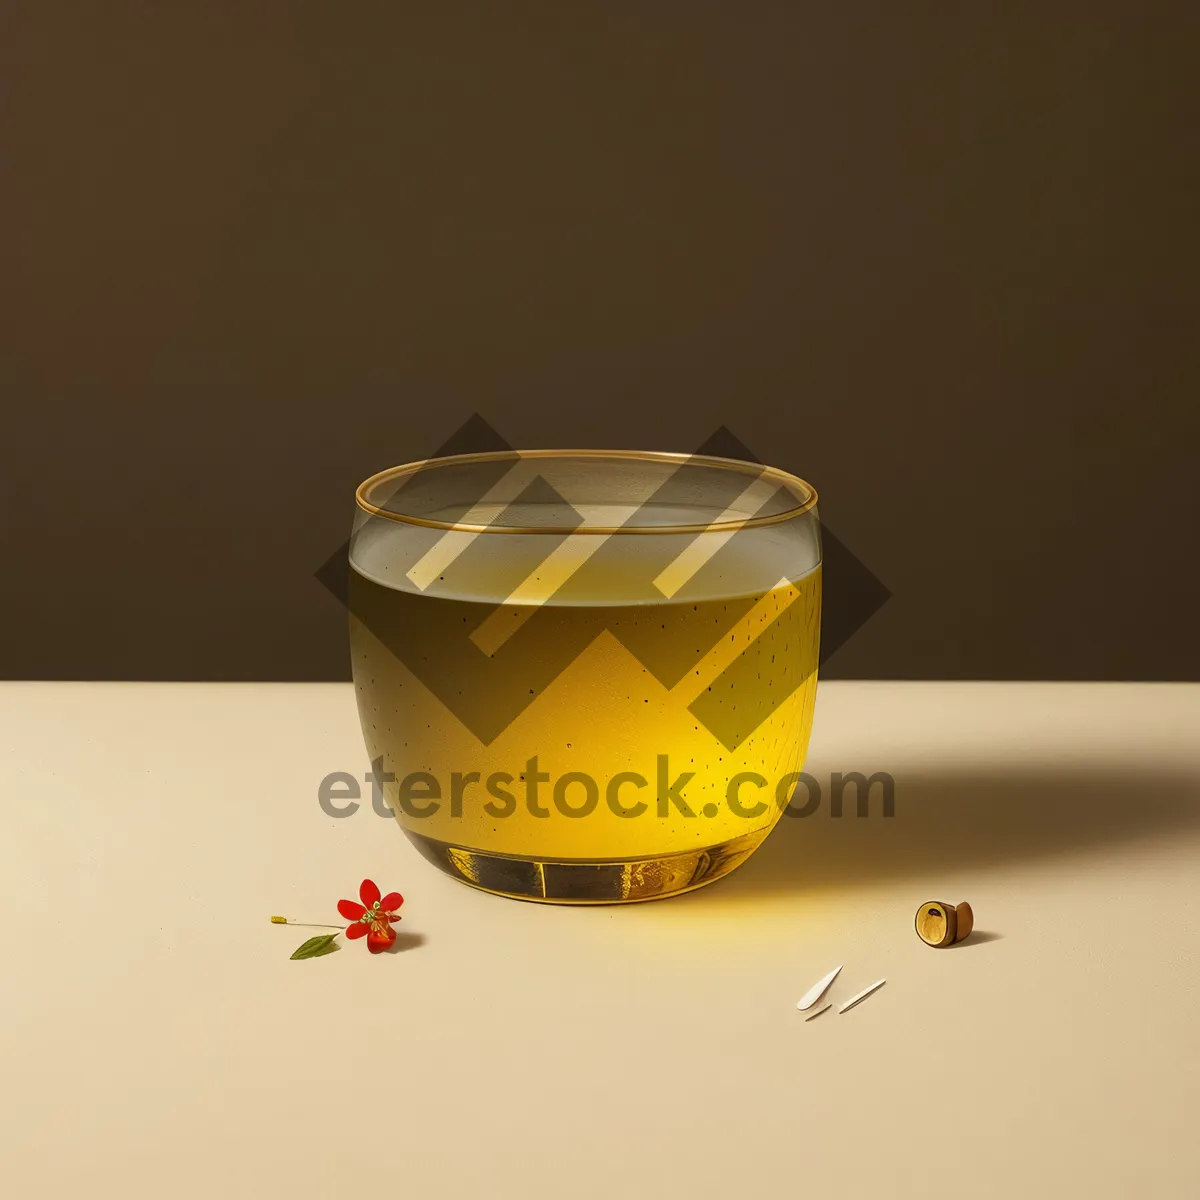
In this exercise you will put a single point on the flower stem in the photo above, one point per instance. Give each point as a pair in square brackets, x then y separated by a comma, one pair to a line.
[303, 924]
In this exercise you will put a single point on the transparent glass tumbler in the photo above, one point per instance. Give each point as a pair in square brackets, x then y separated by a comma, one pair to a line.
[585, 676]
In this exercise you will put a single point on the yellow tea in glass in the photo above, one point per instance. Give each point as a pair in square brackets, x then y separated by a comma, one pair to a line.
[585, 676]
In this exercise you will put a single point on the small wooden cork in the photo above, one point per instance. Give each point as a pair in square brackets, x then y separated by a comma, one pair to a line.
[940, 924]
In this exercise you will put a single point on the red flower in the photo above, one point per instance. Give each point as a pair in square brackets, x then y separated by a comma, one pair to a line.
[373, 918]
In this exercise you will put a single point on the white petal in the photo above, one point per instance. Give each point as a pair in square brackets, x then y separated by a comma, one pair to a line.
[817, 990]
[861, 995]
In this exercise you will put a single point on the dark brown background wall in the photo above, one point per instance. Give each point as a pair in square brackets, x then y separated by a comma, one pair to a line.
[938, 258]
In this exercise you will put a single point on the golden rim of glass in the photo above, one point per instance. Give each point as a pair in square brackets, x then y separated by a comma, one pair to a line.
[804, 493]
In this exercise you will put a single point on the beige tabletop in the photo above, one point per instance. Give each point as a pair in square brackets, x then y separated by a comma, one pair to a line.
[156, 1041]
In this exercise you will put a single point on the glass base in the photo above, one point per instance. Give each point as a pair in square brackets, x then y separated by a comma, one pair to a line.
[580, 881]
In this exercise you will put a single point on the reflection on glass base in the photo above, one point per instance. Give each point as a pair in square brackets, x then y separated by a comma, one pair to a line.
[576, 881]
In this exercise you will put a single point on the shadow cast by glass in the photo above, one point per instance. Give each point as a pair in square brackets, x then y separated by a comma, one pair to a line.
[952, 820]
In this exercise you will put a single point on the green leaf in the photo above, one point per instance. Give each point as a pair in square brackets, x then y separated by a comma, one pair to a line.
[316, 946]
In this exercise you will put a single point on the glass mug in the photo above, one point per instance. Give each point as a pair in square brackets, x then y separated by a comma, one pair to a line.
[585, 676]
